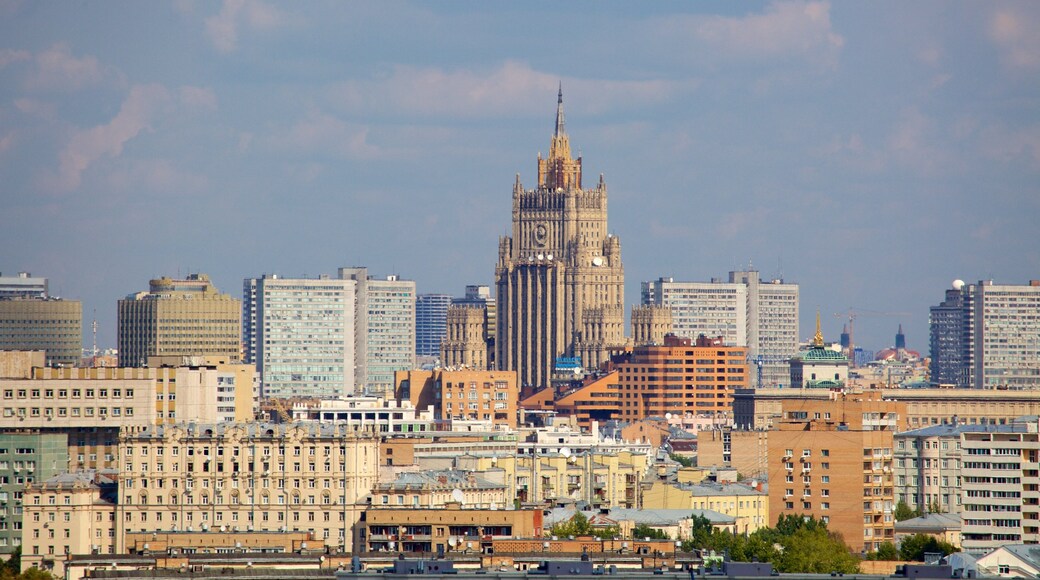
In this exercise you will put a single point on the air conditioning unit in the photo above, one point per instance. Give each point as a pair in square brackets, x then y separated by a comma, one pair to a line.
[806, 469]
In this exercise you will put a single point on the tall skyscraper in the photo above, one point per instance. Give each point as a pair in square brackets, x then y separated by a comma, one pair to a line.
[187, 317]
[431, 314]
[384, 329]
[745, 311]
[987, 336]
[559, 277]
[299, 332]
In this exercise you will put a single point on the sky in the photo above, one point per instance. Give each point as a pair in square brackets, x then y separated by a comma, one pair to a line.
[870, 152]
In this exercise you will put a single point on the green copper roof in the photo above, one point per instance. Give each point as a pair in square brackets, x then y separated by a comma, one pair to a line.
[822, 354]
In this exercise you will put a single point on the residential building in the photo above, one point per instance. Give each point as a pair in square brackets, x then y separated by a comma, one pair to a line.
[464, 344]
[445, 530]
[941, 526]
[66, 514]
[437, 488]
[928, 467]
[24, 285]
[368, 412]
[25, 458]
[300, 334]
[258, 476]
[987, 336]
[52, 325]
[594, 398]
[746, 451]
[488, 397]
[559, 274]
[384, 329]
[745, 311]
[748, 506]
[187, 317]
[431, 319]
[683, 377]
[675, 524]
[832, 460]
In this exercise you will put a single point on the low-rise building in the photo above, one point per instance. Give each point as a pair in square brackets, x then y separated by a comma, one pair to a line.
[676, 523]
[747, 505]
[444, 530]
[595, 397]
[438, 488]
[489, 397]
[383, 415]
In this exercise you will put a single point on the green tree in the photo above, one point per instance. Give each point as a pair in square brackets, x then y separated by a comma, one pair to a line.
[887, 552]
[903, 512]
[645, 531]
[681, 459]
[914, 548]
[579, 525]
[36, 574]
[814, 550]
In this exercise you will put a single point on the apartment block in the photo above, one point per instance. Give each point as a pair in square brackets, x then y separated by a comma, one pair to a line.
[833, 460]
[460, 396]
[748, 506]
[51, 325]
[25, 458]
[300, 335]
[439, 488]
[384, 329]
[682, 377]
[746, 451]
[445, 530]
[187, 317]
[431, 317]
[590, 399]
[368, 412]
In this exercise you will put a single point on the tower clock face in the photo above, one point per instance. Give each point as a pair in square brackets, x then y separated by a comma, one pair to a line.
[541, 234]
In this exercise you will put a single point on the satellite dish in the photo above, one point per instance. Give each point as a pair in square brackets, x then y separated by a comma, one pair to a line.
[597, 261]
[549, 257]
[457, 495]
[958, 284]
[452, 541]
[668, 416]
[566, 452]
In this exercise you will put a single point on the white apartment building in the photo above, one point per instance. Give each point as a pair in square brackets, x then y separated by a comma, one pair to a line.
[745, 311]
[384, 329]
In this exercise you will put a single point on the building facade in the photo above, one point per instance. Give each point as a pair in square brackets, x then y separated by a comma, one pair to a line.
[745, 311]
[384, 329]
[299, 333]
[987, 336]
[52, 325]
[187, 317]
[559, 276]
[464, 344]
[431, 319]
[25, 458]
[24, 285]
[683, 377]
[462, 396]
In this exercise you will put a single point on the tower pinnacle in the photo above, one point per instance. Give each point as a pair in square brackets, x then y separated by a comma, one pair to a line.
[818, 338]
[559, 113]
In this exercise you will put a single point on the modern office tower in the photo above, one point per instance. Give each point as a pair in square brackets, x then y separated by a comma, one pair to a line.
[384, 329]
[559, 276]
[48, 324]
[650, 324]
[464, 345]
[431, 314]
[187, 317]
[745, 311]
[23, 286]
[987, 336]
[25, 458]
[300, 335]
[657, 379]
[832, 459]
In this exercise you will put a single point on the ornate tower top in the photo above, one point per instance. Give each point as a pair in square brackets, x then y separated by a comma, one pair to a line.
[818, 338]
[559, 170]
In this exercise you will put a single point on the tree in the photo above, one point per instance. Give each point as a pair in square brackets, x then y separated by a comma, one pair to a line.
[645, 531]
[914, 548]
[814, 550]
[887, 552]
[35, 574]
[903, 512]
[579, 525]
[681, 459]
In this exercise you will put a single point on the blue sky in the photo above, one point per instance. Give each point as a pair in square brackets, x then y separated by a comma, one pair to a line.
[872, 152]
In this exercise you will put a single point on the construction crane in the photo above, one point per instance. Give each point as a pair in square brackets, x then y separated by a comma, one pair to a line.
[852, 314]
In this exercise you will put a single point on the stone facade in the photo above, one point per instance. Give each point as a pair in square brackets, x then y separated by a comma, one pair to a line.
[464, 345]
[559, 276]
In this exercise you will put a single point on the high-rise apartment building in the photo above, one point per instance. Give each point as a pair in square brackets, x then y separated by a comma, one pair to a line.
[25, 458]
[299, 332]
[48, 324]
[987, 336]
[187, 317]
[681, 377]
[559, 276]
[745, 311]
[431, 314]
[384, 329]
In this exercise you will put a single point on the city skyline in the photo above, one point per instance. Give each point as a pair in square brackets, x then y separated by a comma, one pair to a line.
[872, 154]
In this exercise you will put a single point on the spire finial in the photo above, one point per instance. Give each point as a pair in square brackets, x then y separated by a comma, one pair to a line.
[818, 338]
[559, 112]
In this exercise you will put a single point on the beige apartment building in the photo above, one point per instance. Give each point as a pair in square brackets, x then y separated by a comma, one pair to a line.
[70, 513]
[748, 506]
[257, 476]
[488, 397]
[601, 479]
[438, 488]
[745, 451]
[187, 317]
[45, 324]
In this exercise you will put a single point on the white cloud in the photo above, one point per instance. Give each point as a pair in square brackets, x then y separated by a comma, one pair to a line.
[10, 55]
[87, 146]
[198, 97]
[511, 88]
[800, 29]
[58, 69]
[223, 27]
[1015, 33]
[320, 131]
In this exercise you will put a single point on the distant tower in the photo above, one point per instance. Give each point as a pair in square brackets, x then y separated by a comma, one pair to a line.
[559, 276]
[650, 324]
[464, 344]
[845, 340]
[900, 338]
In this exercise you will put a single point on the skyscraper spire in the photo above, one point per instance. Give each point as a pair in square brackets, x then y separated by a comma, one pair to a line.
[818, 339]
[559, 112]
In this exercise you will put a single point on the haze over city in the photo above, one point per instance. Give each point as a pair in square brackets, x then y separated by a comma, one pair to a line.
[870, 153]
